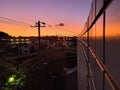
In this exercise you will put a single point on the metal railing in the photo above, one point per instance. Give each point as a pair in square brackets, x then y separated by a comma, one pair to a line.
[103, 68]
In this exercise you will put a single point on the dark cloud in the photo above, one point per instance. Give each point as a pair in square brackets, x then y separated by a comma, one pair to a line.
[60, 24]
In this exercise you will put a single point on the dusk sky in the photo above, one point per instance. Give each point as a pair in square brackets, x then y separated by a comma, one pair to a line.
[73, 13]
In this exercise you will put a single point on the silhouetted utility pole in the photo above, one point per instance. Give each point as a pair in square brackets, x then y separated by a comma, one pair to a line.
[38, 24]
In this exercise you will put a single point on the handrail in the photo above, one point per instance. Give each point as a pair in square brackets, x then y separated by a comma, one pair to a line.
[108, 75]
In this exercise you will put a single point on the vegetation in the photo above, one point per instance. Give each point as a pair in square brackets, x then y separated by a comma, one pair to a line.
[4, 35]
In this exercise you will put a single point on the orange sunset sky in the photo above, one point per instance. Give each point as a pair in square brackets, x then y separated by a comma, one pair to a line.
[73, 13]
[52, 12]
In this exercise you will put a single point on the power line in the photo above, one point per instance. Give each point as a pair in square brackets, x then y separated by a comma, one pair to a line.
[8, 20]
[14, 21]
[62, 29]
[66, 30]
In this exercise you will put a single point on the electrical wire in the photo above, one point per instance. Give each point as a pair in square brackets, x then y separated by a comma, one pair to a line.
[14, 21]
[56, 29]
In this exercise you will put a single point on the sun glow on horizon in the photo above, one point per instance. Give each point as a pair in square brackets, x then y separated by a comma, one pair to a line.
[21, 30]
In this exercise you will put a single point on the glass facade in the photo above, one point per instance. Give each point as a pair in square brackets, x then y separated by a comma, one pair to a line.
[100, 39]
[113, 39]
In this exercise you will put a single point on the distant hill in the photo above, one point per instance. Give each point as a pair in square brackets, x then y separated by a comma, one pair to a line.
[3, 34]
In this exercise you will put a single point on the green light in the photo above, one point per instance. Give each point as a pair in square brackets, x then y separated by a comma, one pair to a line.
[14, 79]
[11, 79]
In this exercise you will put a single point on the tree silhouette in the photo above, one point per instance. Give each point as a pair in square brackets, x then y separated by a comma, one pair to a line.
[3, 35]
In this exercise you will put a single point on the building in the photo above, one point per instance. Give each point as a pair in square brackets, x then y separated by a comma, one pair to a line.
[98, 47]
